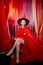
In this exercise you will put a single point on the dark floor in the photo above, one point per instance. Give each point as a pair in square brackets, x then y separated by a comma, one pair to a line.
[4, 60]
[32, 63]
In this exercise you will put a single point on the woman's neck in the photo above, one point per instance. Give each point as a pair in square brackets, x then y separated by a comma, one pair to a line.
[23, 26]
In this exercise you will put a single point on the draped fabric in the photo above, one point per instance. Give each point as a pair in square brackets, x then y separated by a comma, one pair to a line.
[39, 15]
[4, 36]
[37, 9]
[15, 9]
[32, 48]
[30, 41]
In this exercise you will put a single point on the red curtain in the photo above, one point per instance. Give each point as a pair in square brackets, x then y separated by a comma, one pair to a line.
[39, 14]
[21, 8]
[4, 8]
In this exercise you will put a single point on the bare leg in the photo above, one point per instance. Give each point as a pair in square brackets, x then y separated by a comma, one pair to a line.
[18, 42]
[11, 51]
[17, 51]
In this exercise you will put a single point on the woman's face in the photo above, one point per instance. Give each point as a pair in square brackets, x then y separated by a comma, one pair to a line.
[23, 23]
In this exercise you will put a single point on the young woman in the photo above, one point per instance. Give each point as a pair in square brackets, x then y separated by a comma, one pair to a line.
[32, 48]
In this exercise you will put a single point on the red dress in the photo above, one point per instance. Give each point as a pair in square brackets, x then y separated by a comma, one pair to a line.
[32, 48]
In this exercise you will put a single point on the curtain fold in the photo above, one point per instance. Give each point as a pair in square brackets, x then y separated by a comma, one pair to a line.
[39, 14]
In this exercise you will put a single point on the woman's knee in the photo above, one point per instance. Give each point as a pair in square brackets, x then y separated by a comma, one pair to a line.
[18, 43]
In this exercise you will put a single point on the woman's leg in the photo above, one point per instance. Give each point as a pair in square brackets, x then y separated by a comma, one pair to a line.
[17, 51]
[18, 42]
[11, 51]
